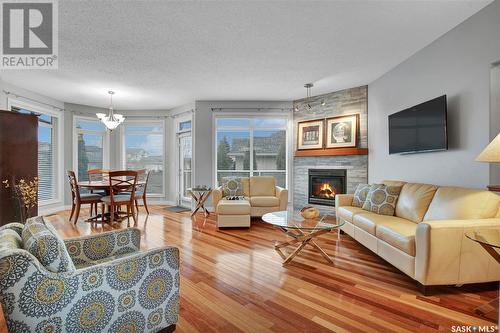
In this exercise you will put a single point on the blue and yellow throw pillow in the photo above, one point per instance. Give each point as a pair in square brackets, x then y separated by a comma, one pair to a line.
[382, 199]
[360, 195]
[10, 240]
[42, 241]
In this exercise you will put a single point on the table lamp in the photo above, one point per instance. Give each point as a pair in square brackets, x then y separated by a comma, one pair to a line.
[491, 154]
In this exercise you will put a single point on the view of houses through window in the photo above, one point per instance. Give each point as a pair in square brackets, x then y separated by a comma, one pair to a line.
[91, 144]
[252, 147]
[143, 149]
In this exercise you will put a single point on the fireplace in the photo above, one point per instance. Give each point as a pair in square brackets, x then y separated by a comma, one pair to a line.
[324, 184]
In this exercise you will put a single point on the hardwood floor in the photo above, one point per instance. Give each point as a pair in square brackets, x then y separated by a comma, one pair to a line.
[233, 280]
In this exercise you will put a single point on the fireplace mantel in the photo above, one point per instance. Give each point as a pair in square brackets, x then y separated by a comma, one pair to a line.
[331, 152]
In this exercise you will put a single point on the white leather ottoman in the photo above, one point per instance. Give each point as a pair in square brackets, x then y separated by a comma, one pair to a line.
[233, 213]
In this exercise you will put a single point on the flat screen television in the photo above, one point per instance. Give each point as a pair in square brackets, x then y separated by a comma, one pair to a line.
[421, 128]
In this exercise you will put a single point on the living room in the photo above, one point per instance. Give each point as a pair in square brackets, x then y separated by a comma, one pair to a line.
[250, 166]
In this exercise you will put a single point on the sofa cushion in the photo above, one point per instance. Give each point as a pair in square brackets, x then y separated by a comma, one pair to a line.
[43, 242]
[245, 182]
[414, 200]
[262, 186]
[347, 212]
[457, 203]
[264, 201]
[10, 240]
[233, 207]
[369, 221]
[360, 195]
[382, 199]
[390, 182]
[400, 234]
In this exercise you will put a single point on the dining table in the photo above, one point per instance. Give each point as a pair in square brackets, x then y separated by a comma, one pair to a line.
[104, 185]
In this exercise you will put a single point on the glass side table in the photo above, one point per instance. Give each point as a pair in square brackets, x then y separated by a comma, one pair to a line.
[489, 239]
[200, 196]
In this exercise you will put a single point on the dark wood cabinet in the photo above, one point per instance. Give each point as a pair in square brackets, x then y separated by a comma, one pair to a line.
[18, 158]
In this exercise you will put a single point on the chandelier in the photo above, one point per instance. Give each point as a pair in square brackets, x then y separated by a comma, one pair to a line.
[112, 120]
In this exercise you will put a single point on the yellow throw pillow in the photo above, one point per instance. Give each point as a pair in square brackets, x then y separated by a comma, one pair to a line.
[382, 199]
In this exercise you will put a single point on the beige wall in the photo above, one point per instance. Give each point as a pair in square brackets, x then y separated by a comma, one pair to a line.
[457, 64]
[495, 118]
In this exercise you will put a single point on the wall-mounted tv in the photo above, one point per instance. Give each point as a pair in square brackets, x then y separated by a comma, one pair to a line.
[421, 128]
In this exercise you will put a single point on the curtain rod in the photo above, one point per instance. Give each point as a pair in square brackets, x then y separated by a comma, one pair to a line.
[32, 100]
[181, 113]
[256, 108]
[86, 114]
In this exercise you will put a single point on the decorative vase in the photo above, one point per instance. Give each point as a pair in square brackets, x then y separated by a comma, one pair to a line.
[309, 212]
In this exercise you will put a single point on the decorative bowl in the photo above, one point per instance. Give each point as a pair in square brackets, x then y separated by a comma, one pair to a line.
[309, 212]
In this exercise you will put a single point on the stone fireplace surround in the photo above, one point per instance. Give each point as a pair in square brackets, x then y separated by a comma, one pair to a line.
[338, 103]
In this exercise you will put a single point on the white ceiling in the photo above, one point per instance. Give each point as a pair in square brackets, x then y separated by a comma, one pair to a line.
[161, 54]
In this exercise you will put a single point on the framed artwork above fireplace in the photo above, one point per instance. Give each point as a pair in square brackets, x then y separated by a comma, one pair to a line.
[310, 134]
[342, 132]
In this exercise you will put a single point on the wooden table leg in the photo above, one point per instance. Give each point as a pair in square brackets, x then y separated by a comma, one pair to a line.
[302, 238]
[200, 202]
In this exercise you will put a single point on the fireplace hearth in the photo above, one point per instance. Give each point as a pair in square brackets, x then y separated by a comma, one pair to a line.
[324, 184]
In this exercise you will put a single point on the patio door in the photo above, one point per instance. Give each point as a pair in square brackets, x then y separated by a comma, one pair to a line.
[185, 171]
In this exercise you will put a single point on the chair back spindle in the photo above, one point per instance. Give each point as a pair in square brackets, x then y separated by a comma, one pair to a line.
[126, 179]
[75, 191]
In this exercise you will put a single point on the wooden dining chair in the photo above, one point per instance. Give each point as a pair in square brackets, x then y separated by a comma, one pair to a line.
[140, 189]
[98, 175]
[127, 181]
[78, 199]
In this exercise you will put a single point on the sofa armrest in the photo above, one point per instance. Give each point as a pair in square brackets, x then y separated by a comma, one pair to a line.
[17, 227]
[282, 195]
[343, 199]
[87, 249]
[217, 195]
[444, 255]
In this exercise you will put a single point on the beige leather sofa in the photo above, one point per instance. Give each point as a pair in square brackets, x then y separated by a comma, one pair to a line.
[261, 196]
[426, 237]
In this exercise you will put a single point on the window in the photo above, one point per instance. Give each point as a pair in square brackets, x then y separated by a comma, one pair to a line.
[48, 151]
[184, 126]
[252, 147]
[143, 149]
[90, 146]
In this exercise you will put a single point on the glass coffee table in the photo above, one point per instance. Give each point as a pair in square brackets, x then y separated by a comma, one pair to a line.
[301, 230]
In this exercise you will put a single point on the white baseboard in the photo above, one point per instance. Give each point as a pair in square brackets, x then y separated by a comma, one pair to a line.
[52, 210]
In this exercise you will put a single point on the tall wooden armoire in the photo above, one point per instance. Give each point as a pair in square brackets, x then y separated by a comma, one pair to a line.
[18, 158]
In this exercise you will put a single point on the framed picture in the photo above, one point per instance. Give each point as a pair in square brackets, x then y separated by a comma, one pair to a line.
[342, 131]
[310, 134]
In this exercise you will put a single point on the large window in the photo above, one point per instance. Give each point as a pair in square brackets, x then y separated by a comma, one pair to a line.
[48, 151]
[252, 147]
[90, 146]
[143, 149]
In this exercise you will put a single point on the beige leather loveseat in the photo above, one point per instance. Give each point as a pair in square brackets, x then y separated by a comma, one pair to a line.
[426, 237]
[261, 196]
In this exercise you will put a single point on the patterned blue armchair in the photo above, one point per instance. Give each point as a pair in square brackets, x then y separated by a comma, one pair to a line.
[107, 286]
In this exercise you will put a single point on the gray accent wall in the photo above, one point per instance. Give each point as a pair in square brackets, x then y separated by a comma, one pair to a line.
[344, 102]
[457, 64]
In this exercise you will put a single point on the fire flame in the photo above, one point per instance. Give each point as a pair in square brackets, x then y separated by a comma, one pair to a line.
[326, 191]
